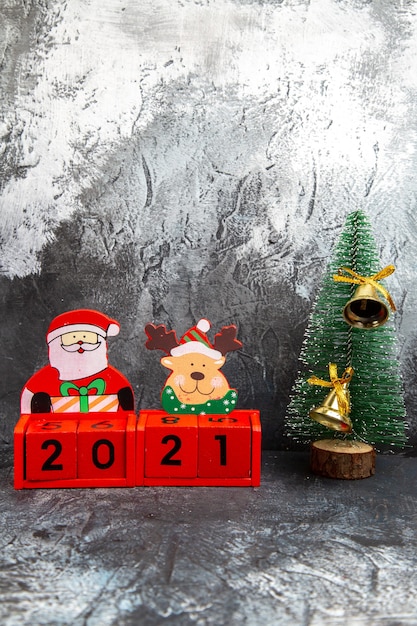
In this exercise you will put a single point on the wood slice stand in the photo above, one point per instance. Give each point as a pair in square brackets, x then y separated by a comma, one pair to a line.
[348, 460]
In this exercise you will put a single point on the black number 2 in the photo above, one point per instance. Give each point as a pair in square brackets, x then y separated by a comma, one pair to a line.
[168, 460]
[49, 463]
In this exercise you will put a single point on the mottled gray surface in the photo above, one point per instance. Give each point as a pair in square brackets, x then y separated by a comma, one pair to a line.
[172, 159]
[299, 550]
[164, 160]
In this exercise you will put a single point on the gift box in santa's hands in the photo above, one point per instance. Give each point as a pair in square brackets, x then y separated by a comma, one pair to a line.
[85, 399]
[94, 404]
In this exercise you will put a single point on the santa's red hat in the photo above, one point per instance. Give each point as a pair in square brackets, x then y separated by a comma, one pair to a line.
[82, 320]
[196, 340]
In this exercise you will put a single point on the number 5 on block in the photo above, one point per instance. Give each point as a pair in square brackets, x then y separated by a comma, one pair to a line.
[51, 451]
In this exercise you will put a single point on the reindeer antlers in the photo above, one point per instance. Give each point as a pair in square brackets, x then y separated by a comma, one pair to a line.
[225, 341]
[160, 339]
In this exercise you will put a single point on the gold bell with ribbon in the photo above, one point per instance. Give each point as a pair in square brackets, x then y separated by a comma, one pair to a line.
[365, 309]
[328, 414]
[335, 409]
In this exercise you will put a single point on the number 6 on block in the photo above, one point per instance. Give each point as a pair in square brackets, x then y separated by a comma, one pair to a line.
[102, 448]
[171, 446]
[51, 450]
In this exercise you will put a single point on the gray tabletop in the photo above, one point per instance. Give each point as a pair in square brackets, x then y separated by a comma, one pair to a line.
[297, 550]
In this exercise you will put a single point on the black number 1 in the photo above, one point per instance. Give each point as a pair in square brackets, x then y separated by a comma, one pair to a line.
[222, 441]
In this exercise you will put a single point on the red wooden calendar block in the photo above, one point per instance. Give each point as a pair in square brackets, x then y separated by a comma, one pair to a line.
[158, 449]
[19, 435]
[90, 457]
[225, 445]
[140, 447]
[51, 449]
[170, 445]
[226, 453]
[256, 448]
[101, 448]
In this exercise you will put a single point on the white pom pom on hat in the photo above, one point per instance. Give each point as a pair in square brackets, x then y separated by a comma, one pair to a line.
[203, 325]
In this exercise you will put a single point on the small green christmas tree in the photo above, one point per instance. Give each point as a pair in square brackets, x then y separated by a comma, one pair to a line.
[377, 408]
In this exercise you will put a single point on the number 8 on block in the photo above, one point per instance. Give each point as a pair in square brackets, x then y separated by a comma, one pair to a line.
[171, 446]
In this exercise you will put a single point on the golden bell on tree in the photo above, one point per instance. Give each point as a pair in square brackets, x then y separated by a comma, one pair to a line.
[334, 412]
[365, 309]
[329, 413]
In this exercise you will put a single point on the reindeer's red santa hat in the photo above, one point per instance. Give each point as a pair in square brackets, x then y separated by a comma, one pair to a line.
[196, 340]
[82, 320]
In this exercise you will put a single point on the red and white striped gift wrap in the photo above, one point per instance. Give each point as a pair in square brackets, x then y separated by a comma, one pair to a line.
[96, 404]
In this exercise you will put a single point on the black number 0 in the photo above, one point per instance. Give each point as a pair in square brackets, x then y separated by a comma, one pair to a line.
[49, 463]
[167, 459]
[94, 453]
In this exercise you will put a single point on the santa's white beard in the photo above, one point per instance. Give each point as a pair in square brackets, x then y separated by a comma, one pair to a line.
[75, 365]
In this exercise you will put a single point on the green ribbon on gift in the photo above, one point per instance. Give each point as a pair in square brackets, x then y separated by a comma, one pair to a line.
[98, 384]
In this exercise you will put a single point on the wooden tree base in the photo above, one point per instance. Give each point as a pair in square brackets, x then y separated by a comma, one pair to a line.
[348, 460]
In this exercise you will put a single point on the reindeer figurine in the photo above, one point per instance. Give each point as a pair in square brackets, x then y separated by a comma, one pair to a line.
[195, 385]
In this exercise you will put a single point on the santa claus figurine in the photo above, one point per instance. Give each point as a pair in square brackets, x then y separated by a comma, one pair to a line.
[78, 378]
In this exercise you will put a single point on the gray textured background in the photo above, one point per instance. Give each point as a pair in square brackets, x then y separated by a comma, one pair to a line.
[165, 160]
